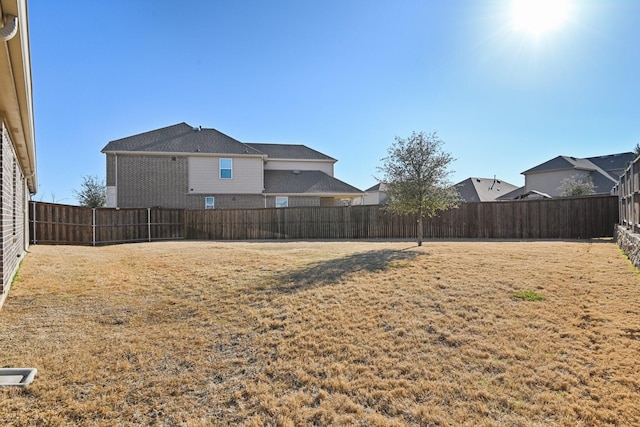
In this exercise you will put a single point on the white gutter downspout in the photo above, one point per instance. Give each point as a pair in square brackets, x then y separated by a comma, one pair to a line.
[263, 189]
[10, 28]
[116, 180]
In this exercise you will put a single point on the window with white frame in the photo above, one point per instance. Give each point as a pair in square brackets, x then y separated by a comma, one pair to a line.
[209, 202]
[226, 168]
[282, 202]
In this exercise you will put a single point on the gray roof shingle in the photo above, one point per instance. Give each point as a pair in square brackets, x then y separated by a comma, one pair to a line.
[305, 182]
[289, 151]
[560, 163]
[483, 189]
[613, 162]
[607, 163]
[181, 138]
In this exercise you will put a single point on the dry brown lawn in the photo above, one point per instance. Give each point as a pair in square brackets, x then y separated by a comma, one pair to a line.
[324, 333]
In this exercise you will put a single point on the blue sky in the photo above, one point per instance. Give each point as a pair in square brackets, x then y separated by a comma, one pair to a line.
[341, 76]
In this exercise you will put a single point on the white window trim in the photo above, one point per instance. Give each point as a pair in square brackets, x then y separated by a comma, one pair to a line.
[220, 167]
[286, 199]
[213, 202]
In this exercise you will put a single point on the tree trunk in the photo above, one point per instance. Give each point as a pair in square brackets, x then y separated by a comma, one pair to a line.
[420, 230]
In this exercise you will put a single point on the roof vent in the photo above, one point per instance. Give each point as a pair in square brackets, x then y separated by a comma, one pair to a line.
[197, 129]
[296, 172]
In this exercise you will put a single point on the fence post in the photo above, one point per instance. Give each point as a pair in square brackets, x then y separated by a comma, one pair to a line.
[93, 227]
[34, 221]
[632, 221]
[149, 224]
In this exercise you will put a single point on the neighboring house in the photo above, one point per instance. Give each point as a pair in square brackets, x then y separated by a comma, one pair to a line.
[470, 190]
[483, 189]
[604, 172]
[181, 166]
[375, 195]
[18, 159]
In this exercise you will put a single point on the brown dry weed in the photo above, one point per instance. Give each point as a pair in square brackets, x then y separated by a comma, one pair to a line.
[324, 333]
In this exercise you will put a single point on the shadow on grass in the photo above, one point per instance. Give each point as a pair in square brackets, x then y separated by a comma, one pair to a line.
[331, 271]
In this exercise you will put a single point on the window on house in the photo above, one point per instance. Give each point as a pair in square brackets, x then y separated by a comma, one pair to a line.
[282, 202]
[226, 169]
[209, 203]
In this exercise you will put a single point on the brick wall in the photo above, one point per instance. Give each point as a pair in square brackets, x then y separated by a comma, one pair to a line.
[162, 181]
[13, 199]
[148, 181]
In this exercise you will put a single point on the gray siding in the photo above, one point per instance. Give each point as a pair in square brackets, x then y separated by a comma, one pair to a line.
[549, 182]
[326, 167]
[204, 176]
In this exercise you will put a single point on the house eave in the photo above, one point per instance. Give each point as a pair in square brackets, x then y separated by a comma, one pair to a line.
[559, 170]
[16, 98]
[179, 153]
[334, 195]
[267, 158]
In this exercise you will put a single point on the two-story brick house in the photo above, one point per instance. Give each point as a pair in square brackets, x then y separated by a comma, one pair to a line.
[181, 166]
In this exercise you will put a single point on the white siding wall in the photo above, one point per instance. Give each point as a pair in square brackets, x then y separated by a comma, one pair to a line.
[204, 176]
[112, 197]
[548, 182]
[287, 165]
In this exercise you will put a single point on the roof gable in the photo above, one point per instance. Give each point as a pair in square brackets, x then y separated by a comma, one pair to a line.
[557, 163]
[181, 138]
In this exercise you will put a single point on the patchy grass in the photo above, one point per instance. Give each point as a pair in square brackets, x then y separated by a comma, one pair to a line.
[324, 333]
[529, 296]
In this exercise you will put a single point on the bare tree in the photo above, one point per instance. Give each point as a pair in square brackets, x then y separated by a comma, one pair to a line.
[92, 193]
[576, 186]
[416, 172]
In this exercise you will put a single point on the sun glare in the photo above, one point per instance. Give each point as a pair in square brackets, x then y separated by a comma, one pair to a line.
[537, 17]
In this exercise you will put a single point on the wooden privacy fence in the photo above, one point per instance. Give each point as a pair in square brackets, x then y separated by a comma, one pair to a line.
[571, 218]
[628, 190]
[574, 218]
[63, 224]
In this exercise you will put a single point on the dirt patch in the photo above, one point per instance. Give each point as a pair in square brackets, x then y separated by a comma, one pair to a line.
[324, 333]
